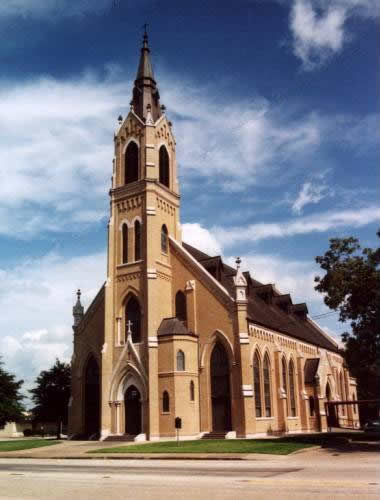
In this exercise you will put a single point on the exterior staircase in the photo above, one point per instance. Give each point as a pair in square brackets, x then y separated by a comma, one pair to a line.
[123, 438]
[214, 435]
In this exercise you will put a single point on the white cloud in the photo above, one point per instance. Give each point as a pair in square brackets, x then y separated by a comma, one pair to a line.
[201, 238]
[320, 222]
[319, 27]
[46, 8]
[310, 193]
[44, 291]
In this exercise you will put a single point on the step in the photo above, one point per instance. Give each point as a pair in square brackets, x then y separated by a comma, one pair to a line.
[123, 437]
[214, 435]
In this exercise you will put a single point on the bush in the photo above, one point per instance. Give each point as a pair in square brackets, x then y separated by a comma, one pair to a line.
[28, 432]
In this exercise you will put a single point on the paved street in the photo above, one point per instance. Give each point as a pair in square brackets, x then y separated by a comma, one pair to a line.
[314, 474]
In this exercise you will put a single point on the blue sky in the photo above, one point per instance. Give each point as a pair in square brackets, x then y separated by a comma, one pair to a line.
[274, 109]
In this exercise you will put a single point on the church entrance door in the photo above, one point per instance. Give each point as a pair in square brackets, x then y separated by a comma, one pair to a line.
[220, 390]
[132, 411]
[92, 398]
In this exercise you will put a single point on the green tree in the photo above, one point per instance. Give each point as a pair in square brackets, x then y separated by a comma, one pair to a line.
[52, 393]
[352, 286]
[11, 406]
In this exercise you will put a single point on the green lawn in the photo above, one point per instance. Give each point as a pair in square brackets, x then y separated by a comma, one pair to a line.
[271, 446]
[26, 444]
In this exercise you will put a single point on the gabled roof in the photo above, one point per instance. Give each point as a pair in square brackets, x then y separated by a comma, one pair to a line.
[267, 313]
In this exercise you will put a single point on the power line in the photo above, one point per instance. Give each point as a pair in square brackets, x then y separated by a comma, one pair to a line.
[318, 316]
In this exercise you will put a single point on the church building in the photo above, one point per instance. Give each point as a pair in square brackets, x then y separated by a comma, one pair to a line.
[174, 332]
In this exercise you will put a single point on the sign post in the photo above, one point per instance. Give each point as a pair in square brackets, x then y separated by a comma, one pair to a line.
[178, 426]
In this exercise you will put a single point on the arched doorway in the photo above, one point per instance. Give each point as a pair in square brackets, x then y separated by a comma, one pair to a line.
[92, 398]
[220, 389]
[132, 401]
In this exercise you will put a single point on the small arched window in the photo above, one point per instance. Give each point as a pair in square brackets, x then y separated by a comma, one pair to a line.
[257, 384]
[164, 239]
[164, 166]
[353, 399]
[267, 398]
[311, 406]
[180, 361]
[165, 402]
[131, 163]
[192, 391]
[292, 390]
[125, 243]
[180, 307]
[133, 319]
[137, 240]
[285, 382]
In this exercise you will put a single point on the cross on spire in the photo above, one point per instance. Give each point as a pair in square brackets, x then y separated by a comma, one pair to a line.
[129, 327]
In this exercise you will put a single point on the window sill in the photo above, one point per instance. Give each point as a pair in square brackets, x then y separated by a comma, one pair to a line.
[165, 413]
[292, 418]
[264, 418]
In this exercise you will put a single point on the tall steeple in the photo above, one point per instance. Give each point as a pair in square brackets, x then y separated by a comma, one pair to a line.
[145, 92]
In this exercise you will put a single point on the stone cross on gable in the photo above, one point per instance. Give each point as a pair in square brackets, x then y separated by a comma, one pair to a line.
[129, 327]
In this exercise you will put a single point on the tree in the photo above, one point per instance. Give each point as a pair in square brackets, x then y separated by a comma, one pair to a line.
[11, 408]
[352, 286]
[52, 393]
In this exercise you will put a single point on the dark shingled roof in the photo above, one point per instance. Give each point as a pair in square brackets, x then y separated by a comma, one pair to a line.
[310, 370]
[263, 311]
[173, 326]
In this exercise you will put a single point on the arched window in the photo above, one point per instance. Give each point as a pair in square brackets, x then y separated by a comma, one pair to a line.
[165, 402]
[284, 381]
[137, 240]
[257, 384]
[131, 163]
[133, 318]
[353, 399]
[342, 392]
[125, 243]
[311, 406]
[164, 239]
[267, 398]
[164, 166]
[180, 307]
[328, 392]
[180, 361]
[192, 391]
[292, 390]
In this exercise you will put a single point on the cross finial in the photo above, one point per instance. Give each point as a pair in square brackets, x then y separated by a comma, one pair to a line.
[129, 325]
[79, 293]
[145, 27]
[238, 262]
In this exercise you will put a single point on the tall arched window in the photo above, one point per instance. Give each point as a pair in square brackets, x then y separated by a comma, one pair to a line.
[180, 307]
[284, 377]
[192, 391]
[292, 390]
[164, 166]
[267, 398]
[133, 315]
[131, 163]
[311, 406]
[125, 243]
[180, 361]
[164, 239]
[342, 392]
[137, 240]
[257, 384]
[165, 402]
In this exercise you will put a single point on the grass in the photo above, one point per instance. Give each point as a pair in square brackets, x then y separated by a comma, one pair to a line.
[270, 446]
[26, 444]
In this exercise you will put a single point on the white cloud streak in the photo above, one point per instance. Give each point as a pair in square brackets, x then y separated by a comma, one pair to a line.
[320, 222]
[310, 193]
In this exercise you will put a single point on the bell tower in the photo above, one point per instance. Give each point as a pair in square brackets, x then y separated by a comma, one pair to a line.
[144, 214]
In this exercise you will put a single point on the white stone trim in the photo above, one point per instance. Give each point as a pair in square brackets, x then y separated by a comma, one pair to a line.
[231, 435]
[150, 146]
[151, 273]
[151, 210]
[152, 342]
[244, 338]
[149, 164]
[131, 139]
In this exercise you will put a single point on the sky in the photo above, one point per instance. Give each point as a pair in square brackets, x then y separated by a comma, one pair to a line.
[275, 114]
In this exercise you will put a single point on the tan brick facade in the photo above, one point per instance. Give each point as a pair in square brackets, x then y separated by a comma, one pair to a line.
[133, 374]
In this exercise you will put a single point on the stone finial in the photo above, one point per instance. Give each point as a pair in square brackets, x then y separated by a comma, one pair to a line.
[78, 310]
[120, 119]
[149, 117]
[163, 108]
[240, 283]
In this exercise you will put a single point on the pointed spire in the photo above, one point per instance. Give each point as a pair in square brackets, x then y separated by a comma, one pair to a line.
[145, 91]
[78, 310]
